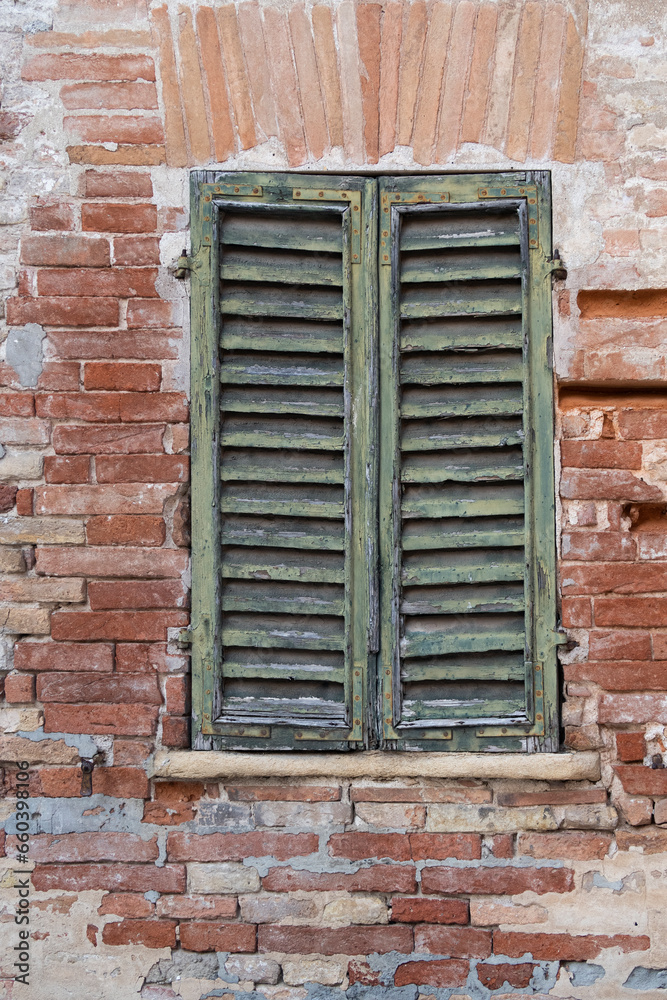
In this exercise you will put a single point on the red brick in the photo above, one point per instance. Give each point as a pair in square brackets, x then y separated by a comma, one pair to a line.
[120, 344]
[66, 470]
[237, 846]
[143, 469]
[633, 708]
[631, 746]
[193, 907]
[138, 594]
[441, 972]
[417, 909]
[446, 793]
[571, 845]
[115, 128]
[87, 687]
[103, 440]
[619, 646]
[576, 612]
[621, 675]
[92, 67]
[65, 782]
[63, 656]
[143, 406]
[91, 406]
[358, 846]
[17, 404]
[553, 796]
[128, 377]
[126, 904]
[150, 313]
[59, 376]
[56, 216]
[19, 688]
[601, 454]
[618, 578]
[149, 933]
[640, 780]
[563, 947]
[334, 941]
[63, 311]
[612, 485]
[439, 846]
[283, 793]
[137, 626]
[643, 424]
[601, 303]
[136, 251]
[98, 846]
[596, 546]
[110, 97]
[25, 502]
[459, 942]
[174, 802]
[125, 529]
[378, 878]
[502, 845]
[651, 839]
[175, 731]
[65, 251]
[641, 612]
[180, 523]
[136, 562]
[177, 695]
[117, 184]
[119, 499]
[494, 976]
[7, 497]
[497, 881]
[117, 281]
[117, 218]
[107, 720]
[204, 936]
[131, 751]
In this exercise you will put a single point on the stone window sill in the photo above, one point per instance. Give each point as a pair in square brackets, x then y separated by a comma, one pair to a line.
[206, 765]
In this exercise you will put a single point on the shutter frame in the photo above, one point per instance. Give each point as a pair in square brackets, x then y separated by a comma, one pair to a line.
[210, 192]
[540, 733]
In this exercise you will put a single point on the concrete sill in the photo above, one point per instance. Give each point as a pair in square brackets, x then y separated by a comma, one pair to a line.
[206, 765]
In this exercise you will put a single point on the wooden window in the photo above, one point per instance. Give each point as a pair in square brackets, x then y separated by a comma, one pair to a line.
[372, 463]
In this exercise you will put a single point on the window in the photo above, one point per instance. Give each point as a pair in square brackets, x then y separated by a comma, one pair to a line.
[372, 463]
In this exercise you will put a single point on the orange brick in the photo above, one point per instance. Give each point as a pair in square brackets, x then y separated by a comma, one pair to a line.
[458, 61]
[136, 251]
[327, 64]
[65, 251]
[428, 104]
[148, 933]
[136, 595]
[121, 129]
[523, 92]
[369, 18]
[285, 91]
[123, 155]
[392, 25]
[75, 469]
[118, 281]
[568, 108]
[621, 242]
[132, 626]
[54, 216]
[173, 120]
[480, 74]
[192, 91]
[236, 75]
[97, 67]
[109, 96]
[19, 688]
[25, 500]
[350, 82]
[102, 719]
[115, 218]
[315, 125]
[254, 49]
[127, 376]
[125, 529]
[412, 47]
[500, 90]
[222, 129]
[63, 311]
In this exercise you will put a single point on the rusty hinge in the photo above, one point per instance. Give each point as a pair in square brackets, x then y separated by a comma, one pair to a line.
[390, 198]
[527, 191]
[198, 264]
[329, 194]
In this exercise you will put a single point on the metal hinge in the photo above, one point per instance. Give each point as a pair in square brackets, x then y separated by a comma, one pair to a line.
[197, 264]
[527, 191]
[185, 637]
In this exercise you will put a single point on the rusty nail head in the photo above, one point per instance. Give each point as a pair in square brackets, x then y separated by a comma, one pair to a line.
[503, 191]
[356, 208]
[297, 194]
[207, 197]
[386, 257]
[255, 190]
[321, 194]
[236, 190]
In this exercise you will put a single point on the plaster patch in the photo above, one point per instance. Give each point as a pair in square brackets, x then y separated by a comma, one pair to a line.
[642, 978]
[584, 973]
[23, 353]
[90, 815]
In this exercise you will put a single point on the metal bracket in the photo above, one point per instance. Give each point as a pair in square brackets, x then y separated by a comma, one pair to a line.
[87, 765]
[527, 191]
[185, 637]
[198, 264]
[329, 194]
[390, 198]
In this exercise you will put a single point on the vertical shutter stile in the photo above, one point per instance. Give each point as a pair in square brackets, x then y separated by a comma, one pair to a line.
[466, 521]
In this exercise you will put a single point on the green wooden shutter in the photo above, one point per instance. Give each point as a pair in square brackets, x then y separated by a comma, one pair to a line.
[466, 478]
[283, 492]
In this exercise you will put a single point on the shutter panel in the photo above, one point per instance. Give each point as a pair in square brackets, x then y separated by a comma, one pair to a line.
[466, 481]
[282, 664]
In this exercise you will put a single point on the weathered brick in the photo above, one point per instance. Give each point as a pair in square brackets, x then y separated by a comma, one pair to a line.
[136, 251]
[126, 904]
[488, 912]
[621, 675]
[23, 430]
[359, 846]
[618, 578]
[416, 910]
[392, 815]
[131, 751]
[149, 933]
[573, 846]
[142, 469]
[19, 688]
[110, 877]
[237, 846]
[73, 439]
[377, 878]
[119, 499]
[126, 376]
[637, 810]
[57, 216]
[17, 404]
[204, 936]
[598, 546]
[553, 796]
[83, 67]
[637, 708]
[177, 695]
[652, 840]
[640, 612]
[63, 656]
[632, 746]
[59, 470]
[103, 719]
[128, 96]
[65, 782]
[114, 128]
[270, 908]
[118, 218]
[563, 947]
[136, 562]
[283, 793]
[209, 46]
[302, 815]
[137, 656]
[65, 251]
[495, 976]
[77, 310]
[126, 184]
[440, 846]
[119, 344]
[137, 595]
[459, 942]
[357, 910]
[222, 877]
[606, 485]
[334, 941]
[175, 731]
[100, 846]
[576, 612]
[601, 303]
[86, 687]
[138, 626]
[601, 454]
[618, 645]
[117, 281]
[507, 880]
[125, 529]
[441, 973]
[415, 793]
[640, 780]
[25, 500]
[192, 907]
[62, 591]
[148, 407]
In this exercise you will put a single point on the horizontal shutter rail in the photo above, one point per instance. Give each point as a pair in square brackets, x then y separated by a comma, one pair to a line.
[463, 466]
[274, 265]
[301, 500]
[295, 230]
[293, 598]
[300, 533]
[476, 366]
[273, 466]
[278, 369]
[486, 667]
[283, 631]
[461, 298]
[304, 302]
[276, 564]
[462, 600]
[282, 335]
[457, 229]
[472, 433]
[461, 334]
[317, 401]
[282, 432]
[469, 532]
[456, 266]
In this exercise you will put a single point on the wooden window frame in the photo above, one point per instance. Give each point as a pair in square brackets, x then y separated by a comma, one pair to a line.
[540, 734]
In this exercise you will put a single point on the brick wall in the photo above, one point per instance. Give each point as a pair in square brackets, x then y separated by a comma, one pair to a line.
[386, 890]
